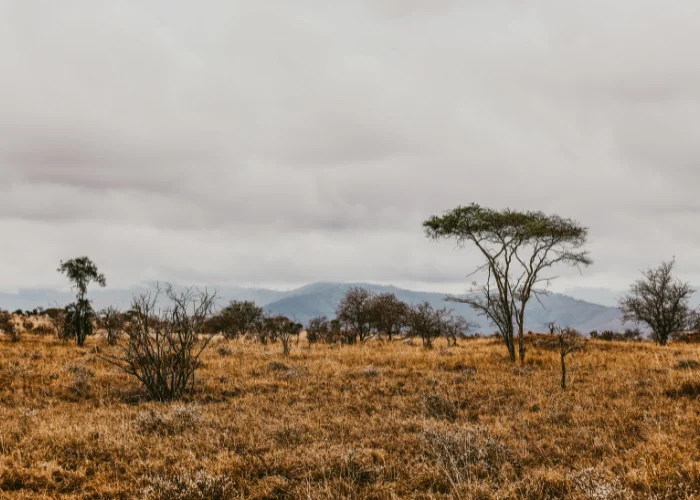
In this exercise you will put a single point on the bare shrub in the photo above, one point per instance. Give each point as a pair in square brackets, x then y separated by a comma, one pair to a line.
[425, 322]
[81, 382]
[181, 418]
[660, 301]
[8, 326]
[152, 421]
[568, 340]
[187, 486]
[371, 371]
[594, 485]
[466, 454]
[112, 320]
[163, 347]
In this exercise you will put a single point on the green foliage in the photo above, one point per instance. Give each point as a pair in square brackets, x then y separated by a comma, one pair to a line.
[81, 272]
[238, 318]
[517, 247]
[79, 316]
[80, 321]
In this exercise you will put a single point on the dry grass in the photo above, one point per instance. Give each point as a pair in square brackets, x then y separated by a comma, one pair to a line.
[370, 421]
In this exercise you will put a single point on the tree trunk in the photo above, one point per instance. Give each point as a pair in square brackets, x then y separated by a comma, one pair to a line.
[508, 337]
[521, 346]
[563, 373]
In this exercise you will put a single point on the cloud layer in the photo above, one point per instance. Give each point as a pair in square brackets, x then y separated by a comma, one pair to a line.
[276, 143]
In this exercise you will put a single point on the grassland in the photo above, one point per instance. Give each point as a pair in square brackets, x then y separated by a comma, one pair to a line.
[379, 420]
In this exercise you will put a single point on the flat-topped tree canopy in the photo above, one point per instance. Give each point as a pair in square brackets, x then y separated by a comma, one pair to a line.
[480, 224]
[517, 247]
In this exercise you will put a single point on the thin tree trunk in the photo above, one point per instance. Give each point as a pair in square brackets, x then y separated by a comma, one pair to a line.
[521, 345]
[563, 373]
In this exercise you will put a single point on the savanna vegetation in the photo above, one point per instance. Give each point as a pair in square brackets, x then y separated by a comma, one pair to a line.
[182, 397]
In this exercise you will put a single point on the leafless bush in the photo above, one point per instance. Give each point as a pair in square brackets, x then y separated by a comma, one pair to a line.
[466, 454]
[182, 418]
[568, 340]
[164, 347]
[8, 326]
[371, 371]
[187, 486]
[81, 383]
[112, 320]
[594, 485]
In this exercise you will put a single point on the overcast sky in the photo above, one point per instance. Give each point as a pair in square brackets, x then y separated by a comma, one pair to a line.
[276, 143]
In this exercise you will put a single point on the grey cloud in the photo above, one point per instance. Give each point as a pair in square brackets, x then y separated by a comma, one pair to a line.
[284, 142]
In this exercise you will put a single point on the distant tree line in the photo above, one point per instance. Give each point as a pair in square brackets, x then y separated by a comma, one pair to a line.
[161, 347]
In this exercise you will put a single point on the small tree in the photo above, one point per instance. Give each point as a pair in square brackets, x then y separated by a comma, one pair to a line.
[568, 341]
[239, 317]
[112, 321]
[80, 315]
[456, 327]
[355, 309]
[517, 247]
[426, 322]
[660, 301]
[8, 326]
[335, 332]
[163, 347]
[388, 314]
[317, 330]
[286, 329]
[57, 320]
[259, 330]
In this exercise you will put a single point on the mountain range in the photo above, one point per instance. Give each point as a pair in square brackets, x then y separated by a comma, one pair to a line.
[319, 299]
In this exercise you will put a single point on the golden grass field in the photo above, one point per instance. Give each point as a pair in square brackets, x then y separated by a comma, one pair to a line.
[379, 420]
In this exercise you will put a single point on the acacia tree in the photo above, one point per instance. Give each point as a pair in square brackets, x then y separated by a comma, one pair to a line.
[517, 248]
[81, 272]
[355, 309]
[660, 301]
[388, 314]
